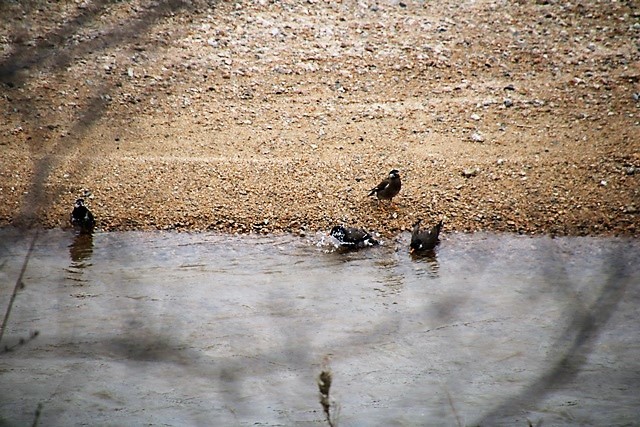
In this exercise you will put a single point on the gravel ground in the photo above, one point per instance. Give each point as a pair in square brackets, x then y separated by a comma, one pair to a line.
[263, 116]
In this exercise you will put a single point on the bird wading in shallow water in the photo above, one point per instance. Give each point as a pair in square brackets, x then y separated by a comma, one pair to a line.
[81, 217]
[388, 188]
[350, 237]
[424, 240]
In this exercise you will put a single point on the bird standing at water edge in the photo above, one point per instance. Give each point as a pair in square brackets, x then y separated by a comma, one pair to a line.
[424, 240]
[389, 187]
[82, 218]
[351, 237]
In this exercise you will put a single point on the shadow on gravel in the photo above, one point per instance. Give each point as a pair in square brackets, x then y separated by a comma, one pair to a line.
[55, 50]
[48, 57]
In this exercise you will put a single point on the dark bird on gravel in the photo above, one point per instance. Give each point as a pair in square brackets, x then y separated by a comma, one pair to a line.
[81, 218]
[351, 237]
[388, 188]
[424, 240]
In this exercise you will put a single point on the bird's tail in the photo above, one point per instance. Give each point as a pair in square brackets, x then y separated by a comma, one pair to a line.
[437, 228]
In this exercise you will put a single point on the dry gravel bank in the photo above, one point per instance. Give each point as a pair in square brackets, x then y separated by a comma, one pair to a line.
[260, 116]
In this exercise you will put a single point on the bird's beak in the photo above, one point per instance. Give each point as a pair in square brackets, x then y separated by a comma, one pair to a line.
[411, 250]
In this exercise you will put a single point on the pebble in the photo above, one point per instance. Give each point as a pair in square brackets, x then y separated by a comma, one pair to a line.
[468, 173]
[477, 137]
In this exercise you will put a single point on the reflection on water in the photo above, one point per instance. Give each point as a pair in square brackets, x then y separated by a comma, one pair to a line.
[179, 328]
[428, 261]
[81, 249]
[391, 277]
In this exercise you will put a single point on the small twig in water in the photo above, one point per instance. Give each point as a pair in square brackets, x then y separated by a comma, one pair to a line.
[37, 415]
[453, 408]
[324, 384]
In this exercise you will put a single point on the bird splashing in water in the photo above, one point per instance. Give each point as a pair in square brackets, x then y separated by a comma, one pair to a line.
[81, 218]
[424, 240]
[351, 237]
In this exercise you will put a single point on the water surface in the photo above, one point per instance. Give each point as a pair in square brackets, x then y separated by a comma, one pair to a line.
[185, 329]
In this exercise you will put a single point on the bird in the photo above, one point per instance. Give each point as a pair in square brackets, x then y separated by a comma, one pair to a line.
[424, 240]
[81, 217]
[388, 187]
[351, 237]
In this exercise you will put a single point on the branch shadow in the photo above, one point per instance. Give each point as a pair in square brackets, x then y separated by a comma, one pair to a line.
[51, 55]
[574, 345]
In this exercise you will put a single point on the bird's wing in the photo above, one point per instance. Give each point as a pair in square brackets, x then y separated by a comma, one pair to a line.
[415, 232]
[76, 214]
[430, 238]
[356, 234]
[384, 184]
[435, 231]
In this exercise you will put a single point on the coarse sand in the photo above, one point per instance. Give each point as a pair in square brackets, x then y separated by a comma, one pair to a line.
[266, 117]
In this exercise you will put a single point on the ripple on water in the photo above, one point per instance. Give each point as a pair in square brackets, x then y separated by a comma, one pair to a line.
[245, 323]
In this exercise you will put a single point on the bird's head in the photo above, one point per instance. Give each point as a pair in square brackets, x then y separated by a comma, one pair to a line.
[394, 174]
[79, 203]
[415, 246]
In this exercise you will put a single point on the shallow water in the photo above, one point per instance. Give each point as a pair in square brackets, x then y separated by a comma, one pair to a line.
[202, 329]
